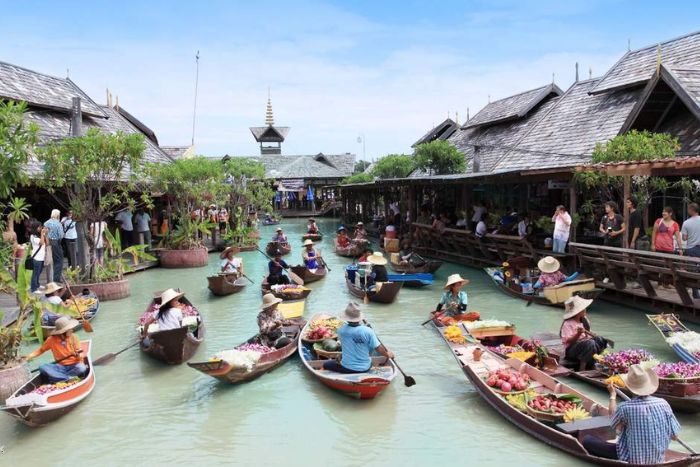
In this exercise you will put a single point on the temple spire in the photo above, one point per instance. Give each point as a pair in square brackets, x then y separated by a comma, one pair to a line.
[269, 119]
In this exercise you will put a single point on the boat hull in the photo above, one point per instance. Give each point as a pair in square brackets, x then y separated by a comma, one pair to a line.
[223, 284]
[312, 237]
[272, 248]
[429, 267]
[265, 289]
[308, 276]
[387, 294]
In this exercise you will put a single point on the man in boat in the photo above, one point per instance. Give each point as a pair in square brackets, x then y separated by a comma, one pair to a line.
[360, 232]
[645, 425]
[575, 332]
[229, 263]
[52, 294]
[310, 255]
[168, 316]
[408, 256]
[270, 322]
[279, 237]
[342, 239]
[550, 275]
[359, 342]
[65, 347]
[454, 300]
[276, 267]
[379, 273]
[312, 227]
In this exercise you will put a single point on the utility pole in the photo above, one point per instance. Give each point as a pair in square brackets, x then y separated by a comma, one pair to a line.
[196, 85]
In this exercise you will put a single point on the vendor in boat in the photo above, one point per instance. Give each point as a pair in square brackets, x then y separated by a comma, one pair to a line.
[169, 315]
[270, 322]
[550, 275]
[360, 232]
[343, 240]
[52, 293]
[408, 256]
[580, 343]
[280, 237]
[310, 255]
[454, 300]
[645, 425]
[359, 342]
[365, 254]
[379, 273]
[312, 227]
[276, 268]
[65, 347]
[229, 263]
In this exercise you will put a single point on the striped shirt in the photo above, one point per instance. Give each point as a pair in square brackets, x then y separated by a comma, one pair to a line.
[647, 425]
[55, 229]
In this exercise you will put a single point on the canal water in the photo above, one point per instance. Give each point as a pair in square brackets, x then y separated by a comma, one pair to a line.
[146, 413]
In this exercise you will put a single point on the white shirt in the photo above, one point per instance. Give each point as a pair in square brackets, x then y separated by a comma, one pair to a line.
[562, 222]
[480, 229]
[55, 300]
[170, 320]
[231, 266]
[71, 233]
[395, 208]
[98, 229]
[522, 228]
[478, 212]
[124, 219]
[36, 245]
[461, 223]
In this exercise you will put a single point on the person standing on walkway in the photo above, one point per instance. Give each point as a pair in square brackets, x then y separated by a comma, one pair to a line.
[143, 227]
[55, 235]
[70, 233]
[634, 229]
[126, 227]
[612, 225]
[97, 231]
[562, 227]
[691, 234]
[38, 241]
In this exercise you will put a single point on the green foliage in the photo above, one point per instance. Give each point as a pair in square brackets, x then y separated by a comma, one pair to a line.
[187, 234]
[360, 166]
[358, 178]
[6, 250]
[545, 224]
[393, 166]
[18, 210]
[115, 264]
[440, 158]
[17, 141]
[247, 186]
[637, 146]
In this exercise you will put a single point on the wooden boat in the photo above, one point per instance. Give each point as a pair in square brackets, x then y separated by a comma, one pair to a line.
[412, 280]
[226, 284]
[273, 247]
[270, 221]
[314, 237]
[582, 287]
[307, 276]
[226, 373]
[88, 313]
[357, 385]
[563, 436]
[387, 292]
[429, 267]
[265, 288]
[353, 250]
[173, 346]
[251, 247]
[35, 409]
[667, 325]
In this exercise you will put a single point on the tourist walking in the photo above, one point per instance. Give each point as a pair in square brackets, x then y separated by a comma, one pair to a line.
[479, 211]
[562, 227]
[664, 233]
[143, 227]
[70, 233]
[634, 229]
[691, 235]
[126, 227]
[39, 241]
[612, 225]
[55, 235]
[97, 232]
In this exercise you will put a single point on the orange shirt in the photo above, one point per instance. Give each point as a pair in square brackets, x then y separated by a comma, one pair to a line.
[61, 348]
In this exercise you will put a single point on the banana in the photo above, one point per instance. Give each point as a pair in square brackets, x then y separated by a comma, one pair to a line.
[578, 413]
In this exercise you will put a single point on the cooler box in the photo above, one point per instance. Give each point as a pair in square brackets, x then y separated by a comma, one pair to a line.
[391, 245]
[352, 271]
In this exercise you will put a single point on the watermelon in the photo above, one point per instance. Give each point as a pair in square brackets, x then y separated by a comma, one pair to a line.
[330, 345]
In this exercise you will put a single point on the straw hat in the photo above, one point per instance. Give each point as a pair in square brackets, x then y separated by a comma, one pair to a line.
[170, 295]
[63, 324]
[269, 300]
[360, 223]
[52, 287]
[352, 313]
[454, 279]
[278, 229]
[226, 251]
[641, 381]
[377, 258]
[574, 306]
[311, 219]
[308, 242]
[548, 264]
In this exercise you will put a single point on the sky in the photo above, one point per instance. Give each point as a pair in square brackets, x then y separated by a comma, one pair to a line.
[338, 71]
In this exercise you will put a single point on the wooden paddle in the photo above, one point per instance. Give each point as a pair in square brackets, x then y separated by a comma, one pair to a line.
[323, 261]
[60, 360]
[86, 324]
[108, 358]
[431, 319]
[296, 279]
[408, 381]
[251, 280]
[680, 441]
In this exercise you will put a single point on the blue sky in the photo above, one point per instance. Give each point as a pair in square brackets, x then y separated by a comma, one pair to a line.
[387, 70]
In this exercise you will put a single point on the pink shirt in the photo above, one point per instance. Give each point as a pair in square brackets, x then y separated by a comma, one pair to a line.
[549, 279]
[568, 329]
[562, 224]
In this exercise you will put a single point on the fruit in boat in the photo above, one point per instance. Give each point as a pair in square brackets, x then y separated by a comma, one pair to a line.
[330, 345]
[507, 380]
[577, 413]
[554, 404]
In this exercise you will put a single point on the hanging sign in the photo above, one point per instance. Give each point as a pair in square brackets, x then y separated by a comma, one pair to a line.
[557, 185]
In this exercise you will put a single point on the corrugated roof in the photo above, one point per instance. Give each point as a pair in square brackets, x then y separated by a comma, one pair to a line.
[636, 66]
[512, 107]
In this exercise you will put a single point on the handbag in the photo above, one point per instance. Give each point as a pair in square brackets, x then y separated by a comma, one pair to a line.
[29, 261]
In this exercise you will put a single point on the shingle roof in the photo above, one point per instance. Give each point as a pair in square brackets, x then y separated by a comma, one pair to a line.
[636, 66]
[512, 107]
[178, 152]
[442, 131]
[259, 131]
[307, 166]
[689, 80]
[41, 90]
[142, 127]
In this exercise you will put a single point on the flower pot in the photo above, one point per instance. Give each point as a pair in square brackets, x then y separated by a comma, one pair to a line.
[105, 291]
[184, 258]
[11, 379]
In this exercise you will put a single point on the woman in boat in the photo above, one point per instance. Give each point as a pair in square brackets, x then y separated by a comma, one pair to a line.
[52, 293]
[360, 232]
[645, 425]
[270, 322]
[550, 275]
[65, 347]
[276, 267]
[169, 315]
[454, 300]
[343, 240]
[229, 263]
[365, 254]
[280, 237]
[379, 273]
[310, 255]
[312, 227]
[359, 342]
[580, 343]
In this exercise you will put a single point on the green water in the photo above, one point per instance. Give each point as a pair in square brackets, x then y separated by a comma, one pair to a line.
[146, 413]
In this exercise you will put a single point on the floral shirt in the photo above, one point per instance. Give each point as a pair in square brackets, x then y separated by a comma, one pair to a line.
[267, 319]
[549, 279]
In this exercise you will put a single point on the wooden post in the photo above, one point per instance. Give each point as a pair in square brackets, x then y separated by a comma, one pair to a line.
[627, 188]
[411, 193]
[572, 210]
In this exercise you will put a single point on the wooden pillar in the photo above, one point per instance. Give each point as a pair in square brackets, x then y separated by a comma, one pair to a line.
[572, 210]
[411, 192]
[627, 179]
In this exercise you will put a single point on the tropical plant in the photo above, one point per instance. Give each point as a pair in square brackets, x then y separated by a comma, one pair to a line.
[393, 166]
[440, 158]
[17, 211]
[358, 178]
[247, 187]
[637, 146]
[115, 259]
[545, 224]
[17, 141]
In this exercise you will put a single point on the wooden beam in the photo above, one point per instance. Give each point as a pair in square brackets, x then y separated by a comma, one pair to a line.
[665, 113]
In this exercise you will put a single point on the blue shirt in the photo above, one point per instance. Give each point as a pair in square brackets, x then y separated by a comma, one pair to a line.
[358, 342]
[648, 424]
[55, 229]
[274, 269]
[452, 303]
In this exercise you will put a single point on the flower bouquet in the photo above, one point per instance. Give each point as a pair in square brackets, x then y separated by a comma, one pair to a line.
[614, 363]
[679, 379]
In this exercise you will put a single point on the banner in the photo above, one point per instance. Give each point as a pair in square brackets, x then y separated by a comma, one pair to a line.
[291, 184]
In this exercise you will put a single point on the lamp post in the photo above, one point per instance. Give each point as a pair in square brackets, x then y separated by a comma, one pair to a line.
[361, 139]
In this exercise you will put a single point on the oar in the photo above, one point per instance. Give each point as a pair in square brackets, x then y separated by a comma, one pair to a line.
[108, 358]
[86, 324]
[323, 261]
[680, 441]
[59, 360]
[251, 280]
[408, 381]
[431, 319]
[297, 280]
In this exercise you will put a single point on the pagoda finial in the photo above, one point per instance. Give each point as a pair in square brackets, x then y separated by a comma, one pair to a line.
[269, 119]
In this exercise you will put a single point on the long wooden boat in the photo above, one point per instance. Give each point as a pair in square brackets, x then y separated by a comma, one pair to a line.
[266, 288]
[357, 385]
[270, 222]
[353, 250]
[412, 280]
[226, 284]
[88, 314]
[307, 276]
[387, 292]
[251, 247]
[227, 373]
[273, 247]
[173, 346]
[37, 409]
[668, 325]
[550, 296]
[566, 437]
[429, 267]
[314, 237]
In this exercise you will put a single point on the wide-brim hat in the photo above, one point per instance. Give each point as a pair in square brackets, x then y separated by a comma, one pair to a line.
[377, 258]
[226, 251]
[341, 228]
[308, 242]
[641, 381]
[52, 287]
[64, 324]
[311, 219]
[170, 295]
[352, 313]
[360, 223]
[278, 229]
[548, 264]
[269, 300]
[575, 305]
[455, 279]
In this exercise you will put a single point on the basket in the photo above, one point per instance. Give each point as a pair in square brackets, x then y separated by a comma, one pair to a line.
[679, 387]
[545, 416]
